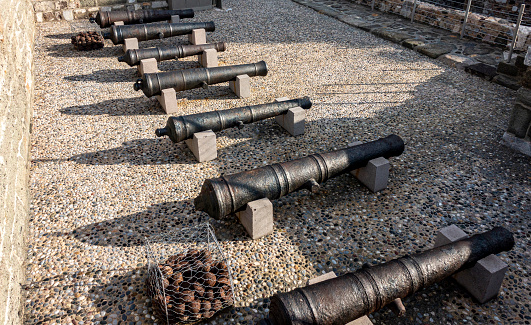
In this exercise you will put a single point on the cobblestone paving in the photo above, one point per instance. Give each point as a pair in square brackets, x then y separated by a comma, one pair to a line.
[100, 179]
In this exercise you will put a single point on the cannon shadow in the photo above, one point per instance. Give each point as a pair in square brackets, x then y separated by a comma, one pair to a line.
[107, 75]
[67, 50]
[117, 107]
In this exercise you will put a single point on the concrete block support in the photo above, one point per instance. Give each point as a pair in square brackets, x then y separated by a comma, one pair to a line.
[257, 218]
[209, 58]
[130, 44]
[293, 121]
[175, 19]
[330, 275]
[203, 146]
[168, 100]
[197, 37]
[484, 280]
[241, 86]
[118, 23]
[375, 175]
[148, 66]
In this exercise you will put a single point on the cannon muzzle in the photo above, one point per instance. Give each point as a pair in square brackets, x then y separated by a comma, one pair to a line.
[129, 17]
[353, 295]
[230, 193]
[133, 57]
[183, 127]
[153, 83]
[153, 31]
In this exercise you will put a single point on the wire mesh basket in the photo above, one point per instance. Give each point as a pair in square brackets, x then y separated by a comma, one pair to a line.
[189, 279]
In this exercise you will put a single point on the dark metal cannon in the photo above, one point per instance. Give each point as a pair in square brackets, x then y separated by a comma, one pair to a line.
[129, 17]
[134, 56]
[227, 194]
[145, 32]
[348, 297]
[183, 127]
[153, 83]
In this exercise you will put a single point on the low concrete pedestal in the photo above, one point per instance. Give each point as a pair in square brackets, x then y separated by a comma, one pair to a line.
[168, 100]
[203, 146]
[175, 19]
[197, 37]
[518, 134]
[130, 44]
[330, 275]
[148, 66]
[293, 121]
[257, 218]
[209, 58]
[375, 175]
[483, 281]
[241, 86]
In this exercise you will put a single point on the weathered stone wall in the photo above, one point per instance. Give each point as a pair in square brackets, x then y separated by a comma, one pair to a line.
[16, 92]
[46, 10]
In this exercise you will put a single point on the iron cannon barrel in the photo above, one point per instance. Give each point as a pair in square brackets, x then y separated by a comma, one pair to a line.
[343, 299]
[230, 193]
[107, 18]
[153, 83]
[145, 32]
[134, 56]
[183, 127]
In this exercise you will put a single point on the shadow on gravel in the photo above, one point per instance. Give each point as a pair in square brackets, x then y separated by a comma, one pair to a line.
[117, 107]
[61, 36]
[67, 50]
[140, 152]
[107, 75]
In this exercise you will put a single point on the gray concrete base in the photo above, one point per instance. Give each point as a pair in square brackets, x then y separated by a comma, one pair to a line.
[168, 100]
[521, 145]
[209, 58]
[175, 19]
[241, 86]
[375, 175]
[257, 218]
[330, 275]
[197, 37]
[130, 44]
[148, 66]
[483, 281]
[118, 23]
[203, 146]
[293, 121]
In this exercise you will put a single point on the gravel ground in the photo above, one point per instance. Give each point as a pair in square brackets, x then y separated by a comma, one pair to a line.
[100, 178]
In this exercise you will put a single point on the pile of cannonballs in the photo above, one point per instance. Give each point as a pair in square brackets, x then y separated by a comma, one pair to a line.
[189, 287]
[87, 41]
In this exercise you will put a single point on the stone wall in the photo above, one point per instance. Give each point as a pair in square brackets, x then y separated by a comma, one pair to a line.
[16, 93]
[46, 10]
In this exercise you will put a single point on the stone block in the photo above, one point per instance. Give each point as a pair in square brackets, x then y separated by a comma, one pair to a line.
[159, 4]
[148, 66]
[391, 35]
[203, 146]
[375, 175]
[190, 4]
[482, 70]
[293, 121]
[241, 86]
[456, 60]
[119, 23]
[168, 100]
[197, 37]
[68, 15]
[507, 81]
[523, 95]
[436, 49]
[521, 145]
[43, 6]
[39, 17]
[257, 218]
[519, 121]
[364, 320]
[507, 68]
[483, 281]
[175, 19]
[130, 44]
[209, 58]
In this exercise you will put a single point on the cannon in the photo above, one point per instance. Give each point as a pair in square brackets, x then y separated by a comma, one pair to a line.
[230, 193]
[183, 127]
[348, 297]
[134, 56]
[118, 34]
[130, 17]
[153, 83]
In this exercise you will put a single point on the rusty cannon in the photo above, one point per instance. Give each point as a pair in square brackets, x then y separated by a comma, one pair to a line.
[183, 127]
[348, 297]
[118, 34]
[230, 193]
[134, 56]
[129, 17]
[153, 83]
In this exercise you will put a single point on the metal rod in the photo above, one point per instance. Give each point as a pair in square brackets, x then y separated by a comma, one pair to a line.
[414, 9]
[466, 17]
[513, 42]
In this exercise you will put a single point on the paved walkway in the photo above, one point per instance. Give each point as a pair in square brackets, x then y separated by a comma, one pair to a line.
[475, 57]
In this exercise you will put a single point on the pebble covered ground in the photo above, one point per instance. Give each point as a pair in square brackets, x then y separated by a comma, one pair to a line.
[101, 180]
